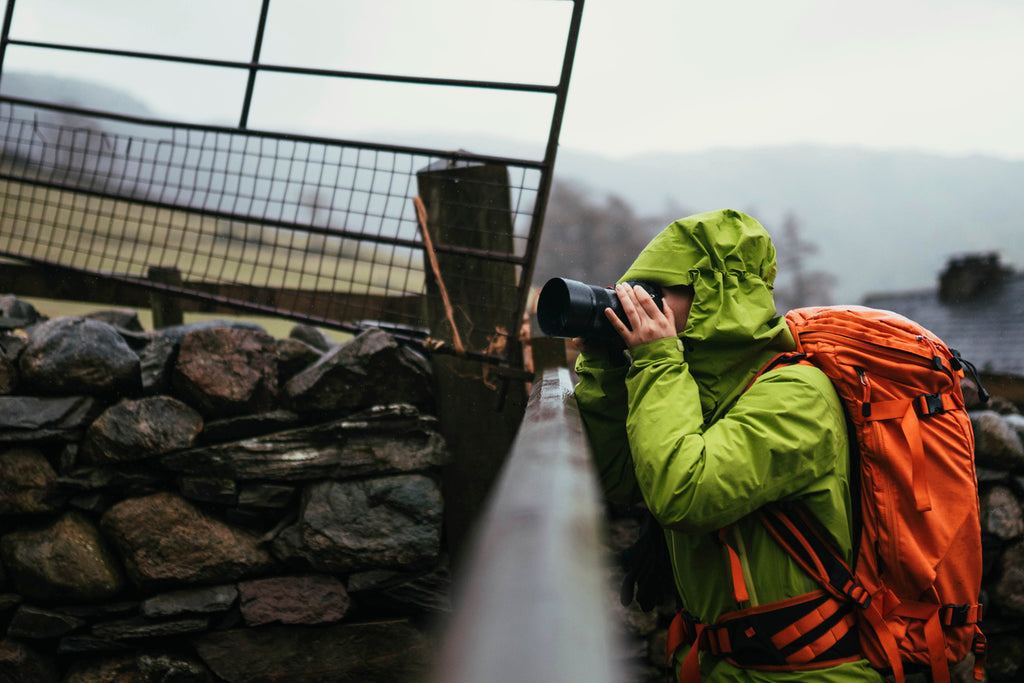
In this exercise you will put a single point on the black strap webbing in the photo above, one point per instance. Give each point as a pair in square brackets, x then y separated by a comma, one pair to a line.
[795, 532]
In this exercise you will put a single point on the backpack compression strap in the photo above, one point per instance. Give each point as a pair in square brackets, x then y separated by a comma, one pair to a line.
[792, 528]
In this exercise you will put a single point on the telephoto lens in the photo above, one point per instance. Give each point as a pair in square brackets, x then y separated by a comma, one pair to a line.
[569, 308]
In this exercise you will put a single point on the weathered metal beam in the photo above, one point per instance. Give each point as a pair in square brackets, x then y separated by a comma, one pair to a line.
[52, 282]
[533, 603]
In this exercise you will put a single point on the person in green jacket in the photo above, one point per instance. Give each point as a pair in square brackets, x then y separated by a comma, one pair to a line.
[673, 423]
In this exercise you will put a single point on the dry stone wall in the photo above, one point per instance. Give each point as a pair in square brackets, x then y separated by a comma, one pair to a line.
[209, 503]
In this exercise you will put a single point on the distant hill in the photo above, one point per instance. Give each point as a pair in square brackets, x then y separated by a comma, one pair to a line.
[882, 221]
[71, 92]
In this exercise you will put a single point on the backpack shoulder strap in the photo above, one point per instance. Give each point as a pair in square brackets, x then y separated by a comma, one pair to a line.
[791, 527]
[779, 360]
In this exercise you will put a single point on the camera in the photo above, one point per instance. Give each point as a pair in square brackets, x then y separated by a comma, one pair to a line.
[569, 308]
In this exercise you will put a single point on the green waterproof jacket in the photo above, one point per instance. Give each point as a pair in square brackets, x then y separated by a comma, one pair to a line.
[678, 428]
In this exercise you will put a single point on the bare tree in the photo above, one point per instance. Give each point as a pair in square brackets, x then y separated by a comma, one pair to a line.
[796, 286]
[591, 239]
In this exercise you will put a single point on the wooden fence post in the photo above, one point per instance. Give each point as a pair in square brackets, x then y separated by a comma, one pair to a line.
[479, 412]
[167, 309]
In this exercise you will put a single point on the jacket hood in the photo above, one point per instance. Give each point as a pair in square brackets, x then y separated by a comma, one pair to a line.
[729, 260]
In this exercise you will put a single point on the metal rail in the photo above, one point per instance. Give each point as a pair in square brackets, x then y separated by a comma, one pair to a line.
[534, 603]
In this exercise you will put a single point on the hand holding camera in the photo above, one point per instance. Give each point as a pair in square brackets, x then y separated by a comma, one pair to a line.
[633, 312]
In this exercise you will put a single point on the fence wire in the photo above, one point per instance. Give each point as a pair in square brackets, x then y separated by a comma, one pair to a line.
[315, 230]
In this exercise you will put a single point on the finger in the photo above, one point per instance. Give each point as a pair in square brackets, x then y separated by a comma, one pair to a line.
[646, 302]
[617, 324]
[669, 314]
[630, 304]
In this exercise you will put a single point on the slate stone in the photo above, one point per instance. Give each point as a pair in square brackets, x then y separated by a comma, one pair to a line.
[125, 481]
[294, 356]
[1009, 588]
[88, 645]
[29, 482]
[1001, 513]
[207, 600]
[142, 668]
[37, 623]
[226, 371]
[9, 375]
[313, 599]
[71, 356]
[101, 610]
[66, 560]
[141, 428]
[312, 336]
[392, 443]
[166, 541]
[390, 522]
[172, 668]
[209, 490]
[18, 310]
[238, 427]
[12, 344]
[997, 444]
[156, 363]
[139, 627]
[266, 496]
[336, 652]
[36, 419]
[371, 369]
[122, 318]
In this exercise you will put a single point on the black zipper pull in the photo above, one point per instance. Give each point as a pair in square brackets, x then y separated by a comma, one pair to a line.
[959, 362]
[936, 358]
[865, 404]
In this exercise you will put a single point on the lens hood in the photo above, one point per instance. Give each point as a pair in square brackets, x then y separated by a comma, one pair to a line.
[570, 308]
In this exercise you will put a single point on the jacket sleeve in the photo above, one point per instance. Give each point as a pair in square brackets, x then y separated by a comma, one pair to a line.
[602, 401]
[781, 436]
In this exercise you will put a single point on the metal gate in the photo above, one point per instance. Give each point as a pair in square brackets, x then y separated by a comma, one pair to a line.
[315, 229]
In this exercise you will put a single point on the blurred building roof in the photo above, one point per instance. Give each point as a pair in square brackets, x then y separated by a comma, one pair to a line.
[977, 308]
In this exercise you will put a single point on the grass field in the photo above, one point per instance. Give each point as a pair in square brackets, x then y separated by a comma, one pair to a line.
[118, 236]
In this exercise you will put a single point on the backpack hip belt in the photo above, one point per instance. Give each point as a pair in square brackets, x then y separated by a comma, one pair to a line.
[810, 631]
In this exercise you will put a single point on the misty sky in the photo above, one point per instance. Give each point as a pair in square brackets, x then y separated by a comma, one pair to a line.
[650, 75]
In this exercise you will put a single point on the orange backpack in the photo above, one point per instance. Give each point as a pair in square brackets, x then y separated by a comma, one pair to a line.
[912, 592]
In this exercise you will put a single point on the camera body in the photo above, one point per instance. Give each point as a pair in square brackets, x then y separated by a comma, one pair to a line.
[569, 308]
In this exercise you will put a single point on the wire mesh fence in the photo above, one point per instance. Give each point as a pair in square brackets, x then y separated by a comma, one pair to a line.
[316, 230]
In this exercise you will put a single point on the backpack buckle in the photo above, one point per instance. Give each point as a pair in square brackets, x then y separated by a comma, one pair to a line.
[857, 593]
[929, 404]
[956, 615]
[980, 645]
[960, 615]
